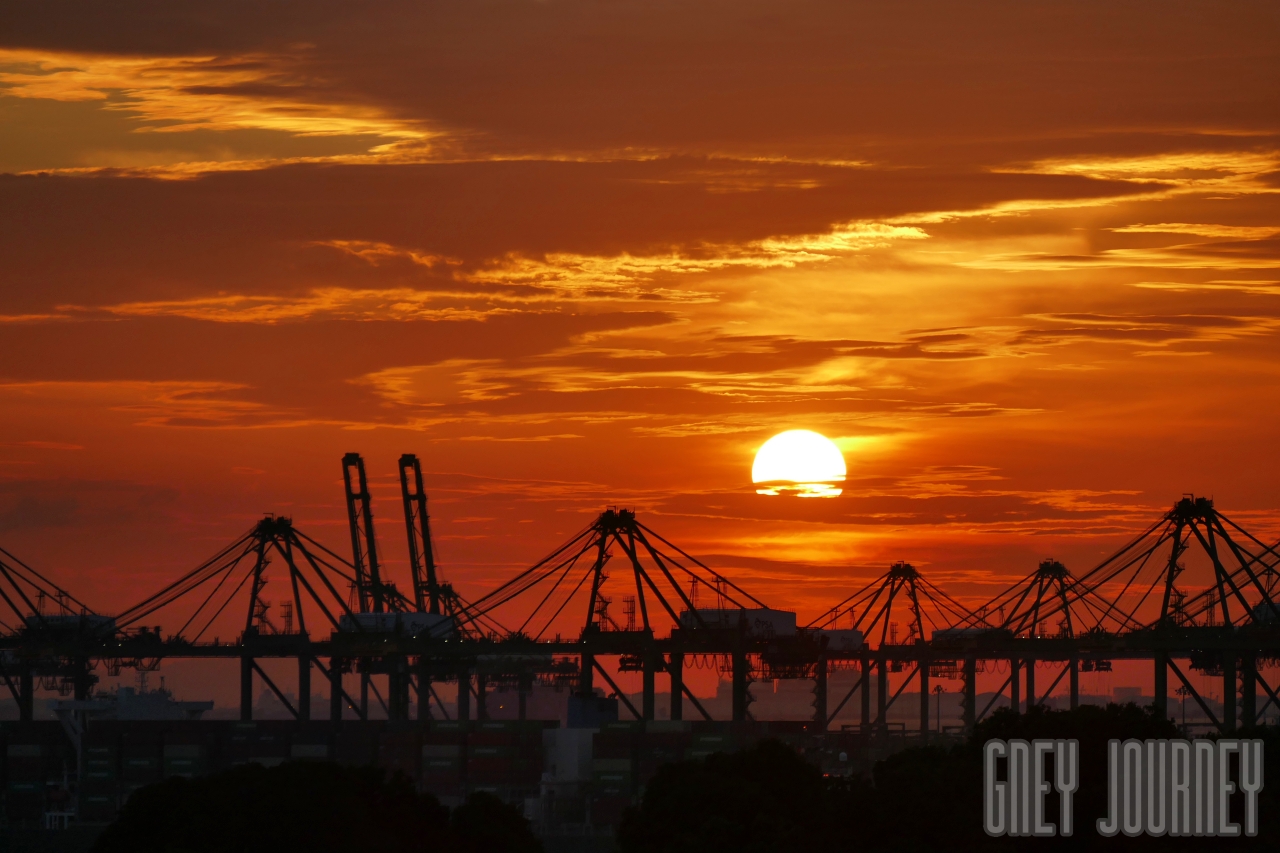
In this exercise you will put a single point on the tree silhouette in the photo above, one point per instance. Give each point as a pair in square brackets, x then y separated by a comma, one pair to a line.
[919, 800]
[764, 799]
[308, 806]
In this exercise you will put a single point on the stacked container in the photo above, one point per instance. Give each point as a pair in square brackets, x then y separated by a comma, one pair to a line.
[25, 778]
[355, 745]
[708, 737]
[312, 742]
[447, 758]
[443, 756]
[400, 750]
[100, 775]
[187, 752]
[491, 753]
[271, 741]
[664, 742]
[615, 749]
[237, 743]
[529, 761]
[140, 759]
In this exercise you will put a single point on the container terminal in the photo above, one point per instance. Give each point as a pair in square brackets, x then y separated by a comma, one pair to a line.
[448, 691]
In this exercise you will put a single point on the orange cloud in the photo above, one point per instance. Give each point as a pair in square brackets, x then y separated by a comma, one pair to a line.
[184, 93]
[579, 255]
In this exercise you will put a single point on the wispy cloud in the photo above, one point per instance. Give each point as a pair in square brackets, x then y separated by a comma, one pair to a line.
[1230, 232]
[1241, 286]
[175, 94]
[1238, 170]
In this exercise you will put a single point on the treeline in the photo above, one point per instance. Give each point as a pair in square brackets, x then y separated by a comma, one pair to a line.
[770, 800]
[310, 807]
[764, 800]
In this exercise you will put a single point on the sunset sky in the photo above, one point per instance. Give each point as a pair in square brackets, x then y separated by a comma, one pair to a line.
[1020, 260]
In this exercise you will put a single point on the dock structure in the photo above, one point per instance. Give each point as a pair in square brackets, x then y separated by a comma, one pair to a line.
[619, 592]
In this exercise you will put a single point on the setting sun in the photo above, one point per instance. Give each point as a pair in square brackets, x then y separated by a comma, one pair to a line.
[799, 462]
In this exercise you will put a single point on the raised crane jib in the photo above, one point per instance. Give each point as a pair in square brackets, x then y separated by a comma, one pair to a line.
[426, 587]
[364, 548]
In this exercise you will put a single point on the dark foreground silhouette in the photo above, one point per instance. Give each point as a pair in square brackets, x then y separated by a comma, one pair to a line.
[769, 800]
[313, 807]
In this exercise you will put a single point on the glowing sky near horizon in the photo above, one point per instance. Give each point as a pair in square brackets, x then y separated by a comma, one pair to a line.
[1021, 261]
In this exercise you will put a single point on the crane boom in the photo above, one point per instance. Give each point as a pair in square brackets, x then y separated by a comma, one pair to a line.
[364, 549]
[426, 588]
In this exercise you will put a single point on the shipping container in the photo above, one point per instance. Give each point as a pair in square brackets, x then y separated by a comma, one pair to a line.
[236, 745]
[615, 744]
[355, 744]
[508, 726]
[633, 726]
[667, 727]
[455, 739]
[535, 726]
[24, 767]
[140, 769]
[100, 770]
[613, 784]
[485, 750]
[442, 784]
[99, 801]
[529, 751]
[526, 773]
[191, 748]
[612, 777]
[140, 757]
[646, 769]
[489, 771]
[98, 808]
[497, 789]
[255, 741]
[712, 741]
[271, 742]
[187, 760]
[779, 727]
[710, 726]
[530, 734]
[101, 757]
[662, 753]
[503, 737]
[309, 752]
[35, 755]
[127, 790]
[400, 752]
[312, 741]
[442, 764]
